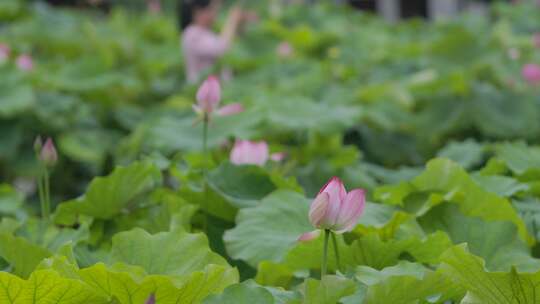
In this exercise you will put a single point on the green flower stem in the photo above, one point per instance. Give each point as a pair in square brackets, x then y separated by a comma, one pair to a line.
[47, 191]
[325, 254]
[41, 191]
[206, 157]
[205, 142]
[336, 250]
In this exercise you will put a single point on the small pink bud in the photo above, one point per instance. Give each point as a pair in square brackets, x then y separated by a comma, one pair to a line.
[284, 50]
[247, 152]
[25, 62]
[4, 52]
[230, 109]
[531, 73]
[514, 53]
[278, 156]
[335, 209]
[209, 95]
[48, 153]
[536, 40]
[154, 6]
[151, 299]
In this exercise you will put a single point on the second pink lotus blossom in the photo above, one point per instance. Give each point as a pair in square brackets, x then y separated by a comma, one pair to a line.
[247, 152]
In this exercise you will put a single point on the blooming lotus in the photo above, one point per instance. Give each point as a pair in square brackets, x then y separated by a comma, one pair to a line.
[48, 154]
[531, 73]
[209, 97]
[247, 152]
[334, 209]
[25, 63]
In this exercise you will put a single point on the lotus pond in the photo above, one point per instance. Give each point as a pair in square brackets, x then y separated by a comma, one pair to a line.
[349, 160]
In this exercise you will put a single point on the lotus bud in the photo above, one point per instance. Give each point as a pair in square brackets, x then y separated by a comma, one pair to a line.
[536, 40]
[48, 153]
[4, 52]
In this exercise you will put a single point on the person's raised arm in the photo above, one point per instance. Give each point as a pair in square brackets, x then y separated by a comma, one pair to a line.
[231, 25]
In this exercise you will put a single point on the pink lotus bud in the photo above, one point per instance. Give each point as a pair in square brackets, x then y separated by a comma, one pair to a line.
[531, 73]
[536, 40]
[284, 50]
[154, 6]
[4, 52]
[151, 299]
[25, 62]
[48, 153]
[514, 53]
[209, 95]
[247, 152]
[278, 156]
[230, 109]
[335, 209]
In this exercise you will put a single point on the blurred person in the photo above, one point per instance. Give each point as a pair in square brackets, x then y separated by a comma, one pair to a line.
[202, 47]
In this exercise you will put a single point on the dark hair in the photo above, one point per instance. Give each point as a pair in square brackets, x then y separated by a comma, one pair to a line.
[186, 9]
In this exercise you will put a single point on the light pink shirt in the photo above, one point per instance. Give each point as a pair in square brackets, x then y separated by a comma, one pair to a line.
[201, 49]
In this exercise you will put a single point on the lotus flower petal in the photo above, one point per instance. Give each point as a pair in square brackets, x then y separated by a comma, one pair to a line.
[319, 209]
[351, 209]
[308, 236]
[230, 109]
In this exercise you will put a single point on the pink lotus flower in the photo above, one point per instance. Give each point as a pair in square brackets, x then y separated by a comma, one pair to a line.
[247, 152]
[531, 73]
[4, 52]
[536, 40]
[25, 62]
[335, 209]
[284, 50]
[209, 97]
[48, 153]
